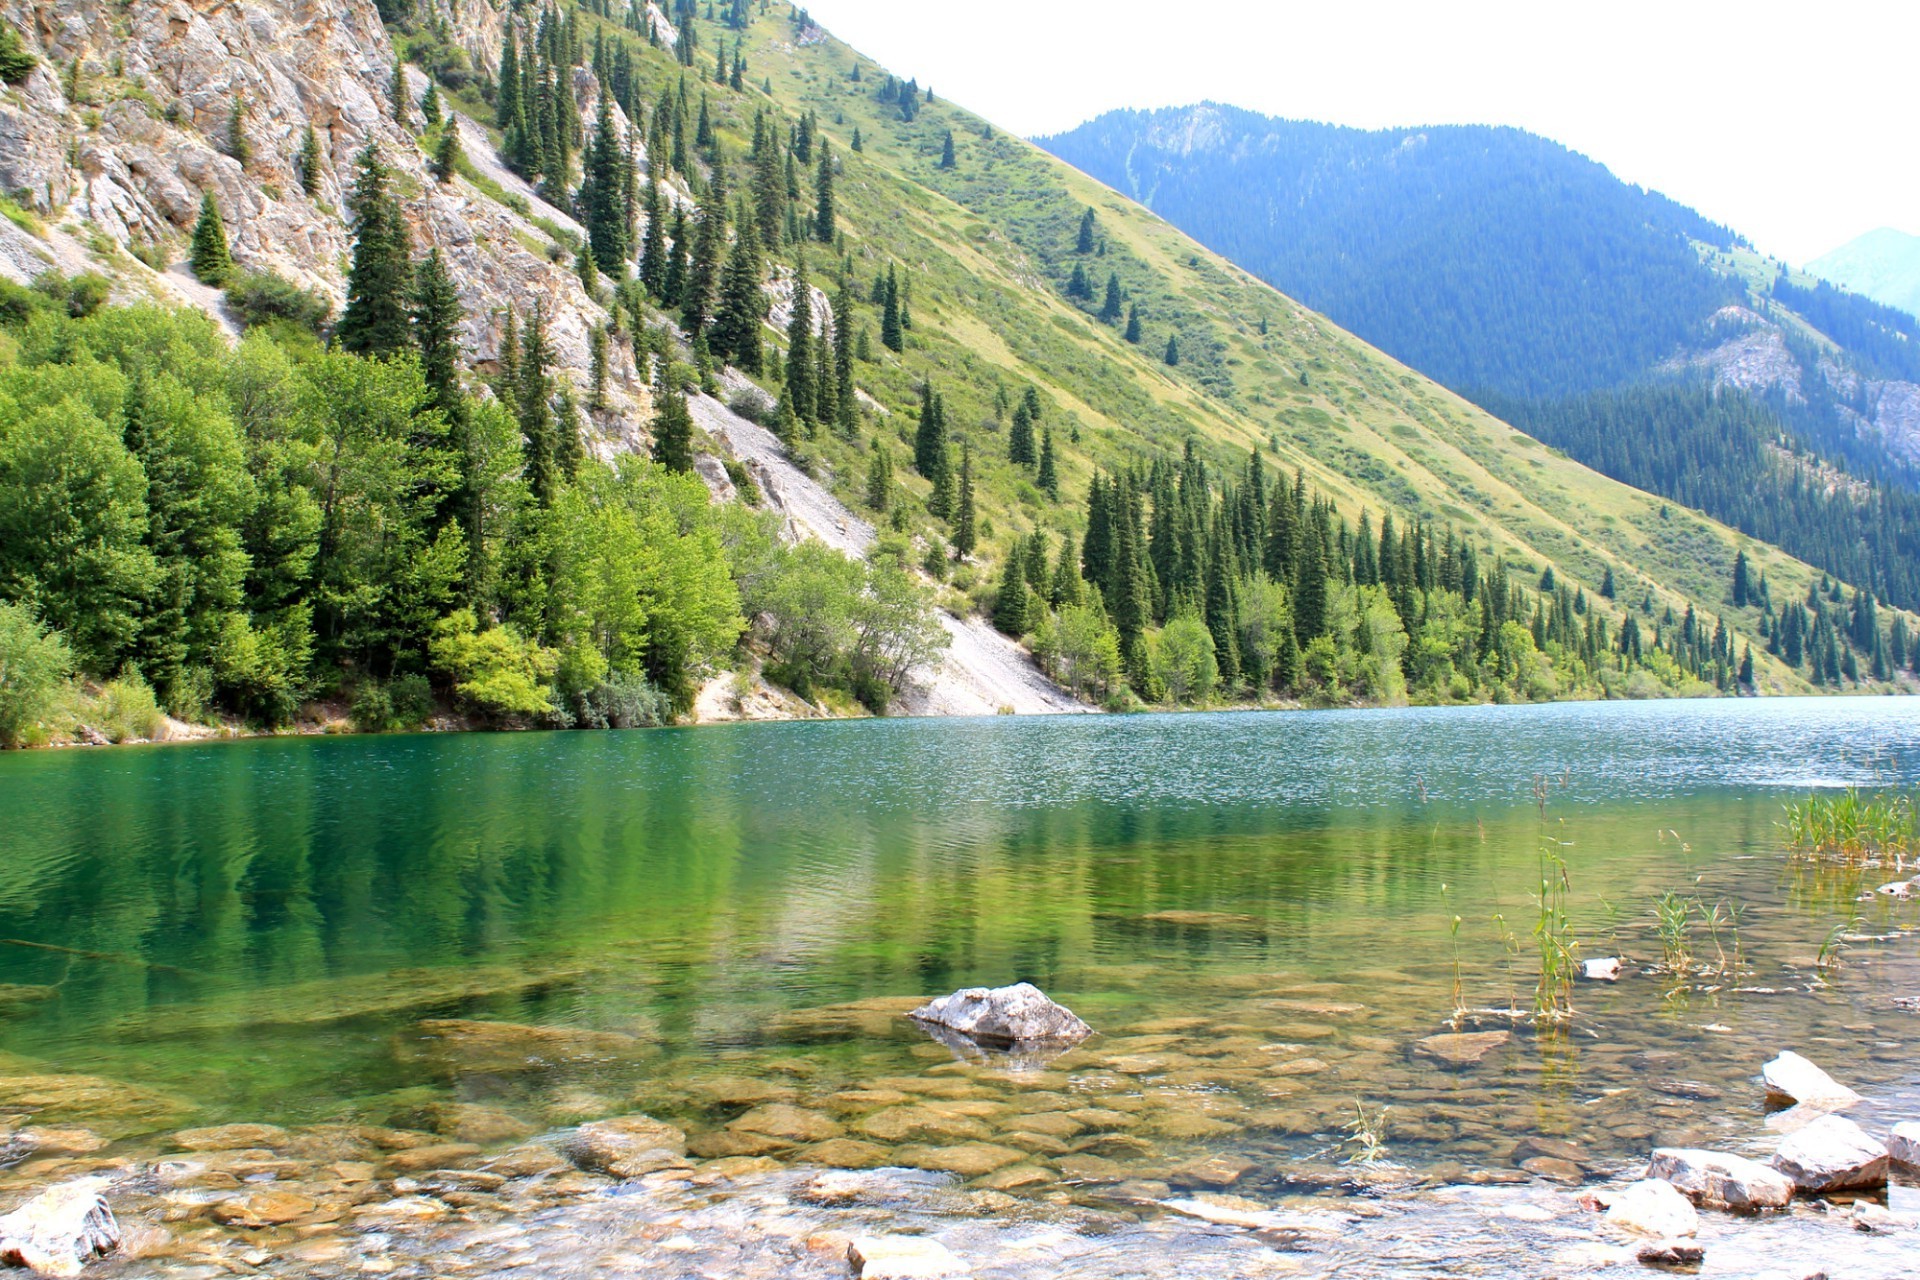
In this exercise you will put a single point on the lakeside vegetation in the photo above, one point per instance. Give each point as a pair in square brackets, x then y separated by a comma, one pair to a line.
[1854, 824]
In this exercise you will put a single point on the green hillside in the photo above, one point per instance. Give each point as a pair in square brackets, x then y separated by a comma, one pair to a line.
[989, 249]
[1883, 264]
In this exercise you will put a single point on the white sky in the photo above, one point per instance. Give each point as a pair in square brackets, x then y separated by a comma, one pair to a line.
[1795, 124]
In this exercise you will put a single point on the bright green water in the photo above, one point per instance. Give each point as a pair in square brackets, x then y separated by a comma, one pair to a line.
[257, 928]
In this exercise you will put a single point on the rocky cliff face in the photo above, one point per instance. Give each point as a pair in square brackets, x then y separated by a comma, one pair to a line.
[117, 134]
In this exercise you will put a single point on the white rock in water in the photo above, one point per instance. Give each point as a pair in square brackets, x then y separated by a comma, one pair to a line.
[1898, 889]
[1717, 1181]
[1003, 1014]
[1832, 1154]
[902, 1258]
[1651, 1207]
[59, 1230]
[1607, 970]
[1904, 1145]
[1792, 1077]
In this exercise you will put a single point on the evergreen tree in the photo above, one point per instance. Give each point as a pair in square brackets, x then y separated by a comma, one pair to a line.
[680, 243]
[1172, 356]
[237, 145]
[1607, 587]
[209, 258]
[436, 333]
[1010, 606]
[1741, 586]
[1079, 287]
[703, 271]
[653, 249]
[430, 104]
[1084, 242]
[947, 158]
[892, 316]
[825, 225]
[507, 91]
[397, 95]
[1110, 309]
[845, 403]
[446, 154]
[306, 163]
[376, 320]
[880, 478]
[16, 61]
[1020, 436]
[769, 184]
[602, 195]
[736, 324]
[930, 436]
[1048, 478]
[965, 535]
[533, 407]
[672, 421]
[857, 144]
[1133, 325]
[800, 362]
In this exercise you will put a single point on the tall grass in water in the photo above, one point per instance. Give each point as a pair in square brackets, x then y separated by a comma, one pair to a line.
[1854, 825]
[1552, 930]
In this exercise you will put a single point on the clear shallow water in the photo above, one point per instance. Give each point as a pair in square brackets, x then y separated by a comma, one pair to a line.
[256, 931]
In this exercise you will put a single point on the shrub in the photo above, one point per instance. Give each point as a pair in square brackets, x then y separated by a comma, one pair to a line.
[403, 703]
[126, 709]
[80, 295]
[754, 405]
[498, 670]
[34, 665]
[621, 701]
[261, 297]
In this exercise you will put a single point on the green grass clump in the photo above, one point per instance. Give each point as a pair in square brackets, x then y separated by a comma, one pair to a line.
[1854, 825]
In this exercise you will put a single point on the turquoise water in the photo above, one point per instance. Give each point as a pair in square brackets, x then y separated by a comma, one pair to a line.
[255, 930]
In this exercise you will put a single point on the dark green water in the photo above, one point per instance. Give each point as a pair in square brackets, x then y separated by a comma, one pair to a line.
[256, 929]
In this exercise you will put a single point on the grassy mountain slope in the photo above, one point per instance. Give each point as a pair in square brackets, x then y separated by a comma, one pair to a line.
[989, 245]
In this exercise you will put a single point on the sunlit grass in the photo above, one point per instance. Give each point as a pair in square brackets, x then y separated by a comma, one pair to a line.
[1853, 825]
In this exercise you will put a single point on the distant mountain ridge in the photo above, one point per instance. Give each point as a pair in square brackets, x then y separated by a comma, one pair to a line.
[1883, 264]
[1370, 227]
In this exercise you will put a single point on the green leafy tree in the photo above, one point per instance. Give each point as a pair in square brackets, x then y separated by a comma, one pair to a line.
[34, 662]
[209, 257]
[497, 671]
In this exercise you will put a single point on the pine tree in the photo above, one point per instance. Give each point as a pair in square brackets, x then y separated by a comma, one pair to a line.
[597, 368]
[376, 320]
[1020, 435]
[857, 144]
[1173, 351]
[1079, 287]
[845, 403]
[1607, 587]
[507, 91]
[769, 185]
[1133, 324]
[237, 145]
[1741, 586]
[800, 362]
[965, 535]
[736, 324]
[397, 95]
[880, 478]
[825, 224]
[1010, 607]
[930, 436]
[430, 103]
[533, 405]
[436, 320]
[209, 258]
[672, 422]
[680, 243]
[653, 250]
[1110, 309]
[16, 61]
[947, 158]
[1084, 242]
[703, 271]
[1049, 478]
[306, 164]
[602, 195]
[446, 154]
[892, 322]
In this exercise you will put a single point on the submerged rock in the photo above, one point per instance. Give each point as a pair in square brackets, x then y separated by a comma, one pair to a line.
[1604, 970]
[58, 1231]
[1671, 1253]
[902, 1258]
[1904, 1145]
[1716, 1181]
[509, 1046]
[1792, 1077]
[1652, 1207]
[1461, 1048]
[1004, 1015]
[627, 1146]
[1832, 1154]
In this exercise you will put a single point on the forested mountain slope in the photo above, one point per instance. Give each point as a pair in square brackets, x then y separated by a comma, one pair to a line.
[1515, 270]
[496, 264]
[1883, 264]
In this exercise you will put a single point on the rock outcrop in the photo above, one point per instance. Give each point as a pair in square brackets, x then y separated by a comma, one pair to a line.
[1653, 1208]
[1904, 1145]
[1714, 1180]
[1003, 1015]
[1799, 1081]
[1832, 1154]
[58, 1231]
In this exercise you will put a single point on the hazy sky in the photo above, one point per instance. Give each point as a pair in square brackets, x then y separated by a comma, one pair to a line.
[1794, 124]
